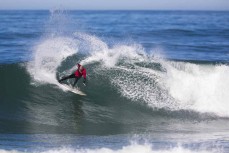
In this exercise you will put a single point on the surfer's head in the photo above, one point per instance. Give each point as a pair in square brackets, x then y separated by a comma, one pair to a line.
[81, 68]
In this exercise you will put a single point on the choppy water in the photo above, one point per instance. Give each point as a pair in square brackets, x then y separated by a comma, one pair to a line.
[157, 81]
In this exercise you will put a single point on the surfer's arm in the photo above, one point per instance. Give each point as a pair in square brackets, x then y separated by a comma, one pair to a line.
[84, 79]
[84, 76]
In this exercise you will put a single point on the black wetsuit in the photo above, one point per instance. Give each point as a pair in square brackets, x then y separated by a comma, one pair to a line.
[69, 77]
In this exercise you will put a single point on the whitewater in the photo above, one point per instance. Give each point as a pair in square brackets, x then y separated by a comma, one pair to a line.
[137, 75]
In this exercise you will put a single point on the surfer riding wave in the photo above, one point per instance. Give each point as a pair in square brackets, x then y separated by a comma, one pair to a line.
[81, 71]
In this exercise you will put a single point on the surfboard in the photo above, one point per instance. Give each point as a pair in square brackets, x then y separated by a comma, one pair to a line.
[73, 90]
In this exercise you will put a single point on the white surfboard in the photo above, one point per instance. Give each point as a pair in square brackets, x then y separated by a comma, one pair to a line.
[74, 90]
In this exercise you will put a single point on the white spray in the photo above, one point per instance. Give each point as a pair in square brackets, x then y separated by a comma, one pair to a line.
[180, 86]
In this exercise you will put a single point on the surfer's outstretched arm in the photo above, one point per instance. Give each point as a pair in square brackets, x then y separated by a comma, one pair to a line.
[67, 77]
[84, 82]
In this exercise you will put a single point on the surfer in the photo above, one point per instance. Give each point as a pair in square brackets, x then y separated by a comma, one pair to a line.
[81, 71]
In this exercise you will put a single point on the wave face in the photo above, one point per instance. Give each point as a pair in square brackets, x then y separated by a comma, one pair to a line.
[127, 88]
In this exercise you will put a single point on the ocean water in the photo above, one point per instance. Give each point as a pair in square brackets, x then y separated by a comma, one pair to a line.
[157, 81]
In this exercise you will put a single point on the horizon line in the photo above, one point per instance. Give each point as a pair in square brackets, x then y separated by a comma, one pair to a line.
[113, 10]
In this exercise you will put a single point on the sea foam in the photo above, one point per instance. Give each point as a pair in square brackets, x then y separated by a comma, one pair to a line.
[133, 148]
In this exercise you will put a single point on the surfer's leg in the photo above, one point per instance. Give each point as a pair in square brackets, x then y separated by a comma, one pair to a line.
[67, 77]
[76, 80]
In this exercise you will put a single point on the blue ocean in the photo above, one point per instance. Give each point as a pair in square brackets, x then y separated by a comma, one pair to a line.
[157, 81]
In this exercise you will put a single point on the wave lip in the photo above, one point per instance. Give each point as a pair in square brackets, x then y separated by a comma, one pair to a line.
[48, 55]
